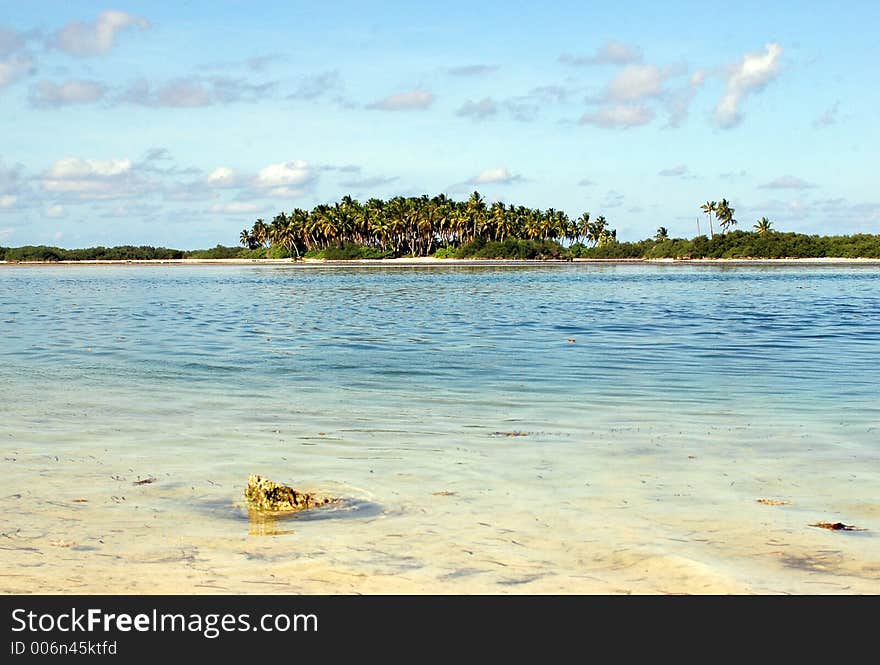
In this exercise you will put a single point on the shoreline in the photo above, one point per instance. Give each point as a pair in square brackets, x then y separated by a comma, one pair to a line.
[430, 261]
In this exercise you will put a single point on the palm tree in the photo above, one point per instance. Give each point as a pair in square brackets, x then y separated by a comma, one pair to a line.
[597, 230]
[662, 234]
[763, 226]
[476, 208]
[247, 239]
[327, 226]
[709, 207]
[562, 224]
[419, 225]
[607, 237]
[583, 226]
[278, 228]
[725, 215]
[260, 232]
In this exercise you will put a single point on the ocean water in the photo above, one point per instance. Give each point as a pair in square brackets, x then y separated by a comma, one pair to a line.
[558, 428]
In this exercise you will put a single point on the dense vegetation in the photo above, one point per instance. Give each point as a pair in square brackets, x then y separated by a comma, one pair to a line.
[123, 253]
[444, 228]
[740, 245]
[420, 226]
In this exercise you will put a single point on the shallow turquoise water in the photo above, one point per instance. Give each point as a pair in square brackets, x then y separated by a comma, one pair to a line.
[688, 393]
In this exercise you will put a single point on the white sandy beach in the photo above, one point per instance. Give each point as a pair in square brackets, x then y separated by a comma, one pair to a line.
[431, 261]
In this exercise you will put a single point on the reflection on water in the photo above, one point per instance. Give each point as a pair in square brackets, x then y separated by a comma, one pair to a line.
[481, 449]
[266, 523]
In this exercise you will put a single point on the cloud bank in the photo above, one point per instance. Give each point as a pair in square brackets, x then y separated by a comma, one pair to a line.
[746, 78]
[415, 100]
[84, 39]
[610, 53]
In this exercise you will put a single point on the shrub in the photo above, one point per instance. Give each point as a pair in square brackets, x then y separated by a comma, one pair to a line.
[218, 252]
[446, 253]
[350, 252]
[513, 248]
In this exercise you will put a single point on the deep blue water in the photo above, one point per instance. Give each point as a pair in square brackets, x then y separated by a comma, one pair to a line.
[805, 338]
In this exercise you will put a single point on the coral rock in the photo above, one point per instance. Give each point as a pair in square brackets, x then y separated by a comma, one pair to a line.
[264, 494]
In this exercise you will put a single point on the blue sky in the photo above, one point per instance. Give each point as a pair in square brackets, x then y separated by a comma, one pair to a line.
[178, 124]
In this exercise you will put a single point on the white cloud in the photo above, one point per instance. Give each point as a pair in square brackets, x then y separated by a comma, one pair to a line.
[496, 176]
[674, 171]
[699, 77]
[472, 70]
[284, 179]
[128, 210]
[843, 213]
[523, 108]
[637, 82]
[223, 177]
[619, 117]
[610, 53]
[826, 216]
[637, 92]
[678, 104]
[613, 199]
[260, 62]
[95, 37]
[234, 208]
[10, 41]
[93, 179]
[55, 211]
[192, 92]
[74, 167]
[189, 191]
[787, 182]
[415, 100]
[549, 94]
[179, 93]
[13, 185]
[46, 93]
[6, 232]
[14, 68]
[157, 154]
[183, 93]
[478, 110]
[15, 62]
[745, 78]
[285, 174]
[318, 85]
[257, 63]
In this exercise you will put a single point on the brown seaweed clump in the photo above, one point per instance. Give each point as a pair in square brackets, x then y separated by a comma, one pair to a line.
[263, 494]
[837, 526]
[774, 502]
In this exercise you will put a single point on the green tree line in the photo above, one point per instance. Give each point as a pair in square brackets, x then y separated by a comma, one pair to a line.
[445, 228]
[742, 245]
[419, 226]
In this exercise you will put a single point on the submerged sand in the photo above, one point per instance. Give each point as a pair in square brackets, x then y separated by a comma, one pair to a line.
[91, 524]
